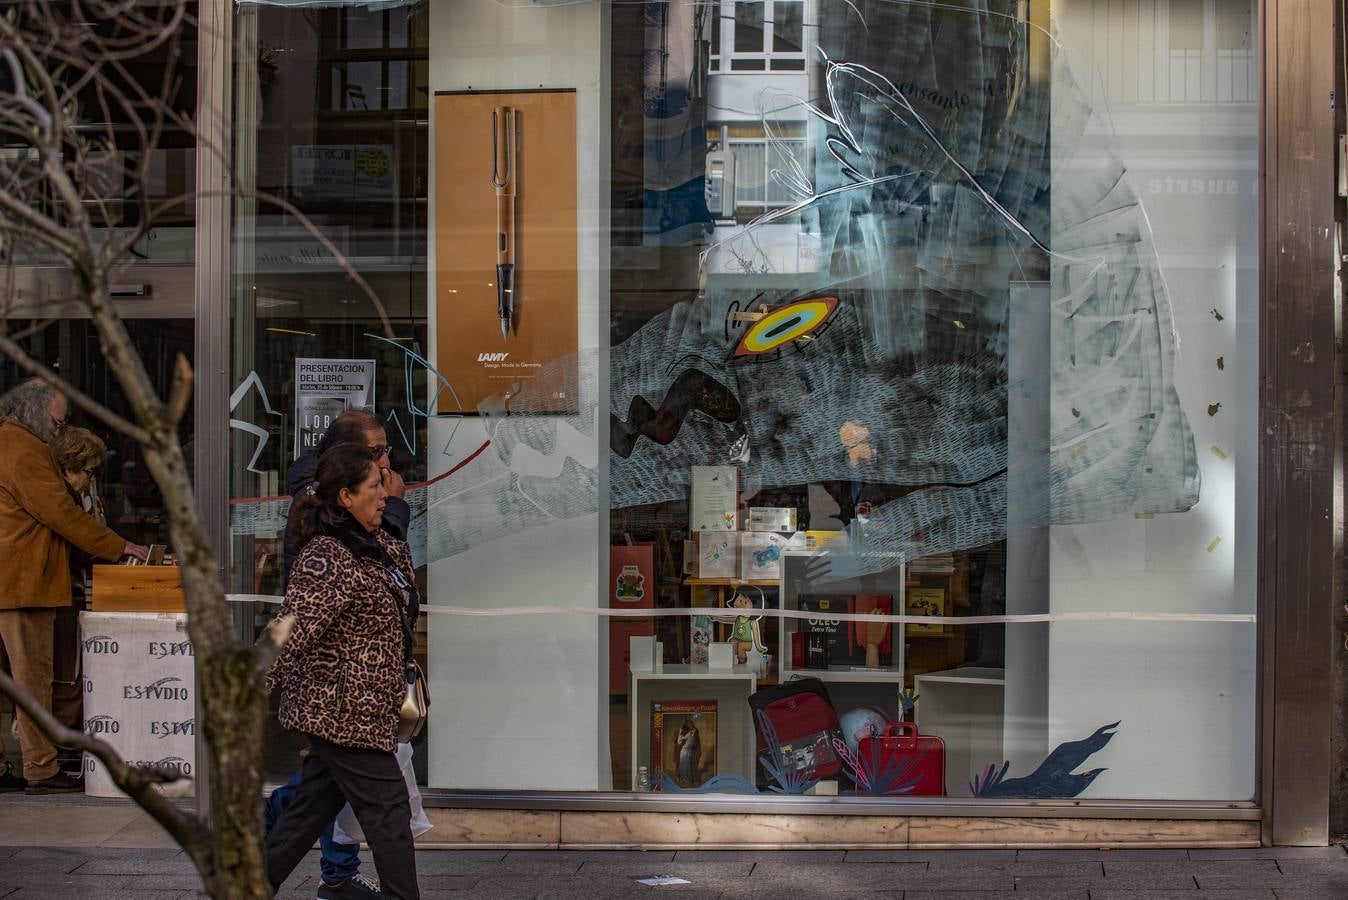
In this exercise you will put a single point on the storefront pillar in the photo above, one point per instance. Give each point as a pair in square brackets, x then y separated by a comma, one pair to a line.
[1299, 459]
[211, 397]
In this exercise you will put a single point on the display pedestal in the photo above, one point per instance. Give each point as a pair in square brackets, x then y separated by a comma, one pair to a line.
[139, 695]
[963, 707]
[730, 689]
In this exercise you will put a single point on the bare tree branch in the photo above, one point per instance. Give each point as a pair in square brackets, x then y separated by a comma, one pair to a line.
[137, 782]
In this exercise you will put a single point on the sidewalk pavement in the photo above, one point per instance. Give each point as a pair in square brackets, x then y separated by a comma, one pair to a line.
[114, 862]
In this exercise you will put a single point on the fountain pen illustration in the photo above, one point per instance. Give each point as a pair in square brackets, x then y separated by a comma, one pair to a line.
[504, 176]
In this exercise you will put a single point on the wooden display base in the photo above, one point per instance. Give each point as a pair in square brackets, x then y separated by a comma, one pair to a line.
[139, 589]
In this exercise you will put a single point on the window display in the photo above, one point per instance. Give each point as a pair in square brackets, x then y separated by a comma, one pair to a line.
[802, 396]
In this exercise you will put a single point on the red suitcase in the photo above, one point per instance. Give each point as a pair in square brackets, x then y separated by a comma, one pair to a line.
[907, 757]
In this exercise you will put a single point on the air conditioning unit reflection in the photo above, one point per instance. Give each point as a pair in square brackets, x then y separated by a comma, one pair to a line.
[720, 185]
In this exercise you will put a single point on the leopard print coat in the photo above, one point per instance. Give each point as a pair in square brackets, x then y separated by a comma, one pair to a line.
[341, 672]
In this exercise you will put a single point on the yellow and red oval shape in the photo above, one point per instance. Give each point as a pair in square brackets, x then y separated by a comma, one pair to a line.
[781, 326]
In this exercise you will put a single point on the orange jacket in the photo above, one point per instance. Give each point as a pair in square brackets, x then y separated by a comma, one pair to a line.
[39, 520]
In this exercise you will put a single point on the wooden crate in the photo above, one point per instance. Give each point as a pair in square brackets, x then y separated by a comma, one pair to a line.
[151, 589]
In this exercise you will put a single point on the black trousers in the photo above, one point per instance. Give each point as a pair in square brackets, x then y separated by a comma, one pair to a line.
[372, 783]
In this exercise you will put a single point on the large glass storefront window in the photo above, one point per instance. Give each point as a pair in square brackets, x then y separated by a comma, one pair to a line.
[798, 396]
[329, 259]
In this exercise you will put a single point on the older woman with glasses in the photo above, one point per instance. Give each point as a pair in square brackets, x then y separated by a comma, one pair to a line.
[78, 453]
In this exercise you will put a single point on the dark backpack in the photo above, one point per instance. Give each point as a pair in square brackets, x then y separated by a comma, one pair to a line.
[796, 724]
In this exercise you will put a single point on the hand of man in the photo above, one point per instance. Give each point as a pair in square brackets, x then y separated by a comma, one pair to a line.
[139, 551]
[394, 484]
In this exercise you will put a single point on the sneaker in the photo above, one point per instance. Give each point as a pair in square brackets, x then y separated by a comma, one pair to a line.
[11, 782]
[357, 887]
[60, 783]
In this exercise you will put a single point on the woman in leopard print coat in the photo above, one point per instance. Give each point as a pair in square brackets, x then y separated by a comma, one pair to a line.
[341, 672]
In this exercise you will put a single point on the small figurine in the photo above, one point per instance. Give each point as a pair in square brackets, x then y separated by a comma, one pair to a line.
[746, 631]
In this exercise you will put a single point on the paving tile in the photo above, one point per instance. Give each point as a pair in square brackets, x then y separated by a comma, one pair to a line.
[469, 856]
[449, 861]
[1066, 869]
[446, 882]
[177, 865]
[60, 881]
[620, 887]
[1149, 881]
[1129, 853]
[805, 855]
[570, 887]
[959, 856]
[1249, 894]
[777, 894]
[1294, 893]
[168, 883]
[62, 826]
[581, 856]
[1332, 852]
[972, 880]
[1313, 866]
[1329, 885]
[682, 868]
[65, 859]
[536, 868]
[1235, 867]
[1040, 883]
[44, 893]
[872, 877]
[1068, 894]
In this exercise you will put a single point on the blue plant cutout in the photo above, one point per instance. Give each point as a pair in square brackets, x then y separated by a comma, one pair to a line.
[876, 776]
[1054, 778]
[724, 783]
[908, 701]
[789, 779]
[991, 778]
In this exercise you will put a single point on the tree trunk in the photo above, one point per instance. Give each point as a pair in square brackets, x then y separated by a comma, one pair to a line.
[233, 697]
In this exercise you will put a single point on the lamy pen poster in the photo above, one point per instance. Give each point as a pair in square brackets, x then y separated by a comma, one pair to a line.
[506, 279]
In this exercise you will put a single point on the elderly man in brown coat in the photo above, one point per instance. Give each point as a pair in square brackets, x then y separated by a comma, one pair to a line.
[39, 521]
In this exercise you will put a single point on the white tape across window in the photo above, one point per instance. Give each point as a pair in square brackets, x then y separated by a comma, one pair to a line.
[897, 619]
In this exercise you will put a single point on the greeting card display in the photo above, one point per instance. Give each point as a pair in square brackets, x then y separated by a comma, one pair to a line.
[717, 554]
[714, 502]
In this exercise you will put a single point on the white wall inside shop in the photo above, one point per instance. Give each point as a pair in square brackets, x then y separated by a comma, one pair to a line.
[517, 701]
[1184, 693]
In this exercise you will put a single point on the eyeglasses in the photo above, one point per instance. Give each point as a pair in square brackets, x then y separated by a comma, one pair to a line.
[91, 471]
[56, 423]
[381, 451]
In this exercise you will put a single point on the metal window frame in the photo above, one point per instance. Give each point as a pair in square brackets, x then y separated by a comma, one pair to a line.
[1300, 458]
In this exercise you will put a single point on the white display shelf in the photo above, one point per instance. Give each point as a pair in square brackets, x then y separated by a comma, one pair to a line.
[730, 688]
[851, 676]
[964, 707]
[967, 675]
[683, 672]
[793, 584]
